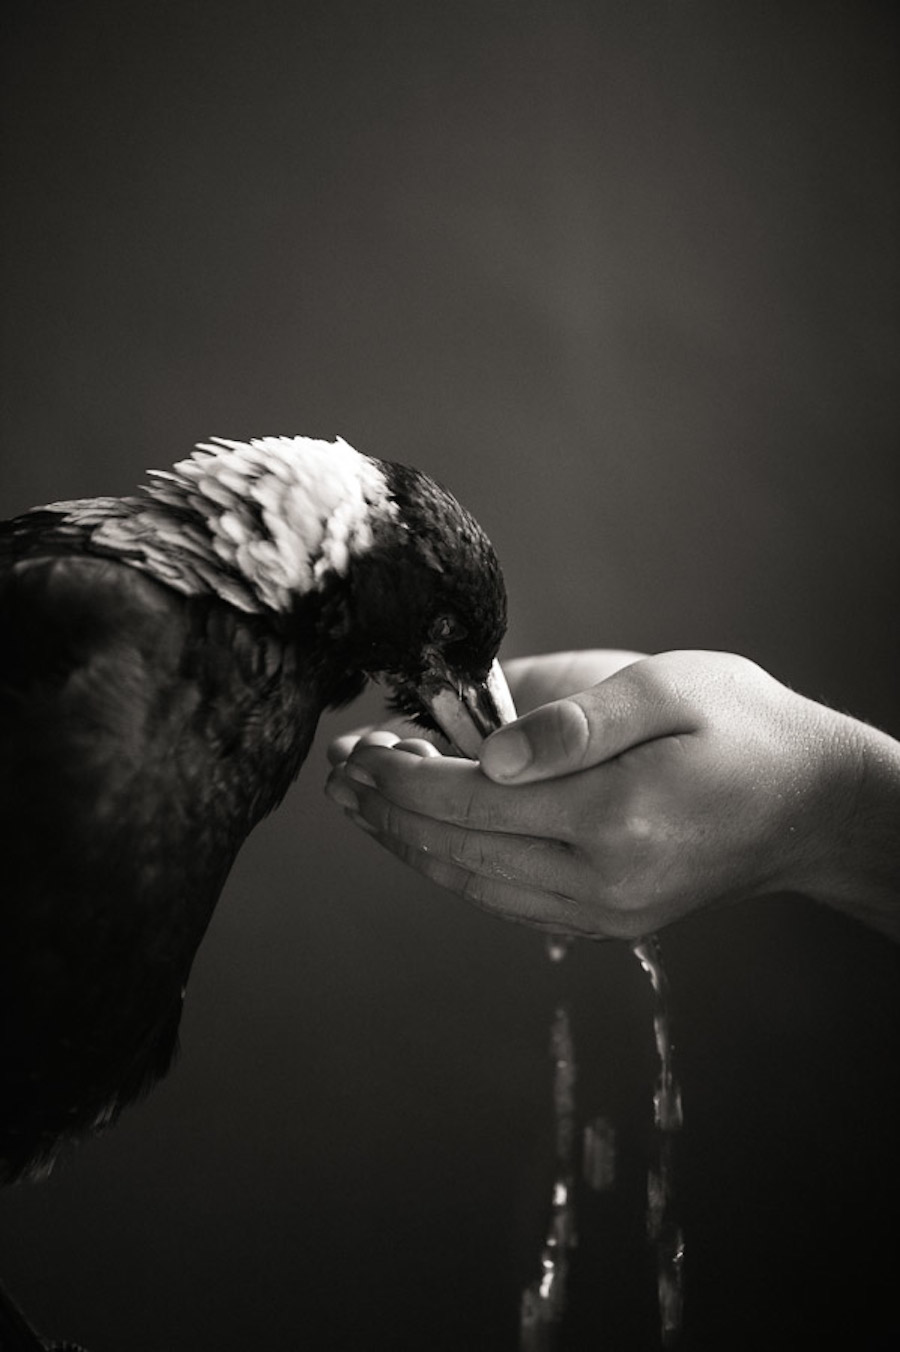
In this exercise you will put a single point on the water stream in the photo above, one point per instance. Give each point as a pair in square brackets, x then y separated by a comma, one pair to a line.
[663, 1229]
[544, 1301]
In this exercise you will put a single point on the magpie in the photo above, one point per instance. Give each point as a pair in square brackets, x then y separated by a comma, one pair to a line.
[165, 660]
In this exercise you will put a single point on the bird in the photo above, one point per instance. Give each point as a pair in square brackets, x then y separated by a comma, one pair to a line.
[166, 657]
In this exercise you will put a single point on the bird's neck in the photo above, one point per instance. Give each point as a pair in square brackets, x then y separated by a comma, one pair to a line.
[260, 524]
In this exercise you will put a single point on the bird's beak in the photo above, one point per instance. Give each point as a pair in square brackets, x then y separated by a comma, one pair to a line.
[466, 712]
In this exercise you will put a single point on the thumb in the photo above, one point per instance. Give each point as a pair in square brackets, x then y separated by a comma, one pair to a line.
[630, 707]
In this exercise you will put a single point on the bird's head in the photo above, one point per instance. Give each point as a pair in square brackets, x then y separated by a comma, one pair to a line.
[371, 567]
[425, 611]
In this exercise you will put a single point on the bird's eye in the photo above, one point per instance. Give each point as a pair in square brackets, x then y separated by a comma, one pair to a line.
[447, 629]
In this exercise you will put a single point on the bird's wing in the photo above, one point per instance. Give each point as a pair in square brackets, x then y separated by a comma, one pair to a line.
[127, 736]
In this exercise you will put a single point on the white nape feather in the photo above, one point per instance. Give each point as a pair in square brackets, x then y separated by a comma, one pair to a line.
[258, 522]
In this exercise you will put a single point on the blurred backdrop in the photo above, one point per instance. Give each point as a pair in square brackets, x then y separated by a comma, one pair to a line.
[624, 276]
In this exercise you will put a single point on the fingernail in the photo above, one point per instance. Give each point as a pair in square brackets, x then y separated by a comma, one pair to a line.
[342, 794]
[360, 775]
[506, 754]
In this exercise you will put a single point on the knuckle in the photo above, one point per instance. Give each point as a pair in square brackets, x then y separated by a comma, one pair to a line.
[391, 820]
[466, 850]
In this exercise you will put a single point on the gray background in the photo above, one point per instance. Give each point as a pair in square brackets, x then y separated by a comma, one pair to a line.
[624, 276]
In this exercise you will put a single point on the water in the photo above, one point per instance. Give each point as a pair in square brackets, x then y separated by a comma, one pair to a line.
[545, 1301]
[663, 1229]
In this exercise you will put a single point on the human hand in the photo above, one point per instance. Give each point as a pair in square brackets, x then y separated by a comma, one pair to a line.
[680, 781]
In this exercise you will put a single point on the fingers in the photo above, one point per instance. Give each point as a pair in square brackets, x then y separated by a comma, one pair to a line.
[441, 816]
[453, 790]
[638, 703]
[551, 742]
[400, 732]
[418, 746]
[509, 901]
[507, 876]
[518, 877]
[339, 748]
[522, 860]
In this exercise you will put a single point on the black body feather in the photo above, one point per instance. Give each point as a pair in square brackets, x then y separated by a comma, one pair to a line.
[143, 735]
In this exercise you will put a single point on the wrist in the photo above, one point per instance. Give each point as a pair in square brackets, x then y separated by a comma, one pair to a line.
[855, 864]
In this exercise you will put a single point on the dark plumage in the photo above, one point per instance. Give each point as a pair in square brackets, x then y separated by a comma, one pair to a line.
[165, 660]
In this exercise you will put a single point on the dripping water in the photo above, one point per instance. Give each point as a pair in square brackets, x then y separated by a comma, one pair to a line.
[544, 1301]
[663, 1230]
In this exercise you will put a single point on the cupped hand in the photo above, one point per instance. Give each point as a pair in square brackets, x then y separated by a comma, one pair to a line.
[666, 784]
